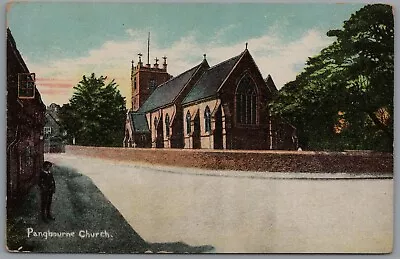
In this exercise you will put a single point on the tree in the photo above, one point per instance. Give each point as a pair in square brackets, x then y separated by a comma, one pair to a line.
[344, 97]
[95, 114]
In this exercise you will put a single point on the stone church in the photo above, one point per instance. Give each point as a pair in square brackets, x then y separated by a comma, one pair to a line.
[220, 107]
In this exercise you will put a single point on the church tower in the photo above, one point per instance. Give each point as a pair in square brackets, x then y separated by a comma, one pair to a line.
[146, 78]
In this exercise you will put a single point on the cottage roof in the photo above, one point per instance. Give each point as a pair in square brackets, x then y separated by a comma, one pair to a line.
[18, 58]
[139, 122]
[167, 92]
[49, 117]
[211, 80]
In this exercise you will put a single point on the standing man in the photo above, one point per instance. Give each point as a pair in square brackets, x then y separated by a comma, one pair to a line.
[47, 188]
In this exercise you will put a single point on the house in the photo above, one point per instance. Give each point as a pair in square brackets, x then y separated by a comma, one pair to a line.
[53, 134]
[25, 122]
[220, 107]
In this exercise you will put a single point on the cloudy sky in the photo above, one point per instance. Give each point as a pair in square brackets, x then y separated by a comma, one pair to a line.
[60, 42]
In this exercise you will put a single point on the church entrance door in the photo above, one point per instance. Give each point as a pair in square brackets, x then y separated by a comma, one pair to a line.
[196, 132]
[218, 138]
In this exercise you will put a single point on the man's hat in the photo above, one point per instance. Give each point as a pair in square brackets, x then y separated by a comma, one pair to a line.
[47, 164]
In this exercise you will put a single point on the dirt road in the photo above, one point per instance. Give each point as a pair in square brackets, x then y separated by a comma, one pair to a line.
[243, 213]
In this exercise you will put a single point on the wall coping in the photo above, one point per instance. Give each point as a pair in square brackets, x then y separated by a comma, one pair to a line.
[367, 153]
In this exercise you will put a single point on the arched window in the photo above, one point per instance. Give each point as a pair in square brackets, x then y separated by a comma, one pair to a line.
[188, 119]
[246, 101]
[167, 125]
[207, 119]
[155, 123]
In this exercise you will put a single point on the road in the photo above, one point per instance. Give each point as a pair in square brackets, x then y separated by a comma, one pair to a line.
[245, 212]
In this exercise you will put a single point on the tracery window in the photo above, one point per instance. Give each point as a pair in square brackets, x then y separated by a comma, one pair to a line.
[167, 125]
[207, 119]
[188, 119]
[246, 101]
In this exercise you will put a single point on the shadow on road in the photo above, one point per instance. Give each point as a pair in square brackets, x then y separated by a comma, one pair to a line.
[86, 222]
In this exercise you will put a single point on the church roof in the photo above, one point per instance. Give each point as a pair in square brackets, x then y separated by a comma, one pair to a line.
[211, 80]
[139, 122]
[167, 92]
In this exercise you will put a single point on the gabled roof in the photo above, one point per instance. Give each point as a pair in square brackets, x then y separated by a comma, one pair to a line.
[17, 55]
[211, 80]
[13, 45]
[271, 84]
[167, 92]
[49, 115]
[139, 122]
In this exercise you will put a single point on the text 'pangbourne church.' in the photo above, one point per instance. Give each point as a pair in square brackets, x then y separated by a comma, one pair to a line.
[220, 107]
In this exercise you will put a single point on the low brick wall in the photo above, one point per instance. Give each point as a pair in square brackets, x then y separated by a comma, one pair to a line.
[267, 161]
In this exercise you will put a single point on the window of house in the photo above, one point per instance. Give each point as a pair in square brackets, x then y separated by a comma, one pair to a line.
[47, 131]
[207, 119]
[246, 101]
[26, 85]
[188, 119]
[167, 125]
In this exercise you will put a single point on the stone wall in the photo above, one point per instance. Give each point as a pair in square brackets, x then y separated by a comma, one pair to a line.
[264, 161]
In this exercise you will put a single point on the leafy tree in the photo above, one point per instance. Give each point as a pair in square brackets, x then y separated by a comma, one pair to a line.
[95, 115]
[344, 97]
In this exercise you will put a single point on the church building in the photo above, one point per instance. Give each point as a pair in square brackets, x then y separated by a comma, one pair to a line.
[220, 107]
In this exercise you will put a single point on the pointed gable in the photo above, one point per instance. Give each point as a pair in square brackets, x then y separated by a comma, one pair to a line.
[211, 80]
[271, 85]
[167, 92]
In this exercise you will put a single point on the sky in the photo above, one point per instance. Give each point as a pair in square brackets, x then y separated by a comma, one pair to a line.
[61, 42]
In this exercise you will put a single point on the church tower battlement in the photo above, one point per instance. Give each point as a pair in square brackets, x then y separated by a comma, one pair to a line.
[146, 78]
